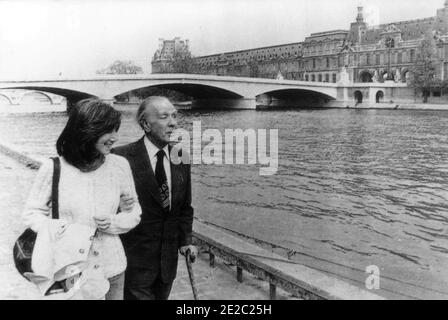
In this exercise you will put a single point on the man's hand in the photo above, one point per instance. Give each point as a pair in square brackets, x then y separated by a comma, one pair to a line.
[193, 252]
[102, 222]
[126, 203]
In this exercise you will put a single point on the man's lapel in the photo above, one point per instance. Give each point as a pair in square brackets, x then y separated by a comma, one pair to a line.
[145, 172]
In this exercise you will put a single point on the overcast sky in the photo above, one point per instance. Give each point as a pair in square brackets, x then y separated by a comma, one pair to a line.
[43, 38]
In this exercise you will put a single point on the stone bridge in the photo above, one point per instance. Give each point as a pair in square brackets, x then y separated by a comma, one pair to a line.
[206, 90]
[18, 97]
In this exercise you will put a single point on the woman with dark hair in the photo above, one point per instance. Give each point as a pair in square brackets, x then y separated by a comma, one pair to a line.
[88, 122]
[92, 183]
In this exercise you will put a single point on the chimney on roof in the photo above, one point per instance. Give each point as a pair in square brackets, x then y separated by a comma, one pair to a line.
[161, 42]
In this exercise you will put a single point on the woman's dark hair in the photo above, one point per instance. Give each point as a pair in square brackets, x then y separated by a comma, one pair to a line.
[88, 120]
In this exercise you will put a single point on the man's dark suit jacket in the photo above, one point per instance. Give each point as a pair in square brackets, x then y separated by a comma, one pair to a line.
[153, 245]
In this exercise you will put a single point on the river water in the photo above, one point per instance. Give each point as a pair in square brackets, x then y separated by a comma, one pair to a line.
[354, 188]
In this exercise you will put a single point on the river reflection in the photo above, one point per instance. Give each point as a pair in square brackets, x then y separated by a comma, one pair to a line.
[354, 188]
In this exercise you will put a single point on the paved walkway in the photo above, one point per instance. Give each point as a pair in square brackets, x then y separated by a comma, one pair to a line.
[212, 283]
[219, 283]
[15, 182]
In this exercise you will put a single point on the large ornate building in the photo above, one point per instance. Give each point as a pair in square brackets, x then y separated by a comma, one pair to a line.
[166, 52]
[366, 52]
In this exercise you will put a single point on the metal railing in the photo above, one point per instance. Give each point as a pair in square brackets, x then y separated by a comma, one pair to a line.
[246, 261]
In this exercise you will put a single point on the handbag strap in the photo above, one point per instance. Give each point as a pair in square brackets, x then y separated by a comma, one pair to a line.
[55, 188]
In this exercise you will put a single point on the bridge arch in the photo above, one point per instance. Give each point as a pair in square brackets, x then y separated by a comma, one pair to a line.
[36, 95]
[72, 96]
[301, 98]
[195, 90]
[323, 90]
[4, 98]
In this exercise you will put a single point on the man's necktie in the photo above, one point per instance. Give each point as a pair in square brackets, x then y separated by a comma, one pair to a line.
[162, 181]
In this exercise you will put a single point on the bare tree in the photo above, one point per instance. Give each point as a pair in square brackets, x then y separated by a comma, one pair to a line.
[423, 72]
[182, 62]
[121, 67]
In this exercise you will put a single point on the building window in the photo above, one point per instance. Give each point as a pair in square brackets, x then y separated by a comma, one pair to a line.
[365, 76]
[314, 63]
[327, 78]
[412, 55]
[328, 62]
[367, 59]
[306, 78]
[313, 78]
[377, 59]
[379, 96]
[358, 96]
[320, 78]
[334, 77]
[399, 57]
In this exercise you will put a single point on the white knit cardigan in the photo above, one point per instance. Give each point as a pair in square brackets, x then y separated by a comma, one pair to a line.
[83, 195]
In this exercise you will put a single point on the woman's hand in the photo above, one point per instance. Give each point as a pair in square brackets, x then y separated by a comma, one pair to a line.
[102, 222]
[126, 203]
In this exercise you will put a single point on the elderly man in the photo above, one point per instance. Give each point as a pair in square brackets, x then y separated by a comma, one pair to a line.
[164, 193]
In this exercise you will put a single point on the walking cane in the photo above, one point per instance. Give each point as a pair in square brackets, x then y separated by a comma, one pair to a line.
[191, 275]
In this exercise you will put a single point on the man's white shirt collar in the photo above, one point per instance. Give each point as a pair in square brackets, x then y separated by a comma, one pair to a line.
[152, 149]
